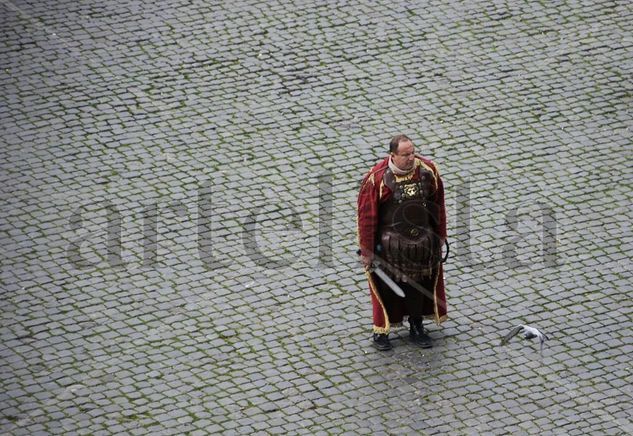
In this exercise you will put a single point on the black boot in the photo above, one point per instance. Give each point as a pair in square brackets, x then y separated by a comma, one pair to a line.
[418, 335]
[381, 342]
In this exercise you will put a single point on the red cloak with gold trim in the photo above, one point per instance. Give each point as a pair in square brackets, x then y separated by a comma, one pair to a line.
[372, 193]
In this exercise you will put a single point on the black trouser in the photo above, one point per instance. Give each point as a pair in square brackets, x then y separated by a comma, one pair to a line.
[416, 302]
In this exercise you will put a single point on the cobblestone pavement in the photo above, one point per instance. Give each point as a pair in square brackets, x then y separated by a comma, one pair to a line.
[178, 217]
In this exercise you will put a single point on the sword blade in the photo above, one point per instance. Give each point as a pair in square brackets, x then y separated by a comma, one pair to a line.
[392, 285]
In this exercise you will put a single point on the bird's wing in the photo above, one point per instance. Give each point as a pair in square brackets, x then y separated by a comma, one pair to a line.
[543, 337]
[512, 333]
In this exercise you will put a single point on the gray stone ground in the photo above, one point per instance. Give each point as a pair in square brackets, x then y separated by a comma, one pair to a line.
[178, 215]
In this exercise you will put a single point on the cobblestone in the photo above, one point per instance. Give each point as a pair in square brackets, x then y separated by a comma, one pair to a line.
[178, 224]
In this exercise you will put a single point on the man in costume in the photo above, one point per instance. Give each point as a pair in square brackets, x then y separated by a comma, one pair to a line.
[401, 229]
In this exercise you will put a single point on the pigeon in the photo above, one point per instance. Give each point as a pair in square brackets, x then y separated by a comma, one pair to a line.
[528, 333]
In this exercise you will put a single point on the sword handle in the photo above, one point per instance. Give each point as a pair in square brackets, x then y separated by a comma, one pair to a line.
[369, 268]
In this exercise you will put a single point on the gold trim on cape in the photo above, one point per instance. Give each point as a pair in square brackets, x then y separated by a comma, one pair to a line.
[374, 289]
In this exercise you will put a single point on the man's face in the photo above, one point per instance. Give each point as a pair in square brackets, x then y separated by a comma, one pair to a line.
[404, 157]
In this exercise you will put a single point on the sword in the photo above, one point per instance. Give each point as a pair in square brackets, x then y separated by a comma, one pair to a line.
[385, 278]
[375, 268]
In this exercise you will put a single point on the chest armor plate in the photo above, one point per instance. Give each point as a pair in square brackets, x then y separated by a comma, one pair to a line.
[407, 219]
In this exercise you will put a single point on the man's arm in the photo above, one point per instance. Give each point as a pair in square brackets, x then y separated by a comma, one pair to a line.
[367, 218]
[441, 207]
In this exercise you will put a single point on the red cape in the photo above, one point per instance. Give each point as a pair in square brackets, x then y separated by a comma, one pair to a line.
[372, 193]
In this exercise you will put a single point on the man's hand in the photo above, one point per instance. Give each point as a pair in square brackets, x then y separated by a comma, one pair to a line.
[366, 261]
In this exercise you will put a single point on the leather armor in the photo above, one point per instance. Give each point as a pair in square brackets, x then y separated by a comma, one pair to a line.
[407, 221]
